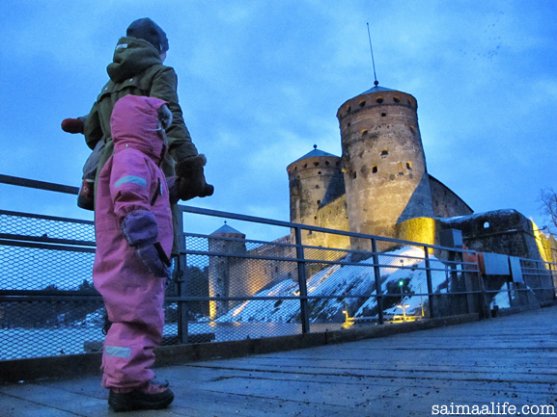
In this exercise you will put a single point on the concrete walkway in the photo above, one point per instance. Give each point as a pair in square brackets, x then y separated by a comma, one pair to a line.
[498, 363]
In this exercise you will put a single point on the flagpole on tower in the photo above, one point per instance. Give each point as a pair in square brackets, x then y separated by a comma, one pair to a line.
[375, 82]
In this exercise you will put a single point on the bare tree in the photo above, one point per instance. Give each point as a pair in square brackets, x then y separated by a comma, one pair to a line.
[548, 199]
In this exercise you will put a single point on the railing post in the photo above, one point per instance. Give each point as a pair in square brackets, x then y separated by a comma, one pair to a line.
[484, 307]
[377, 277]
[429, 282]
[509, 294]
[302, 282]
[180, 278]
[550, 267]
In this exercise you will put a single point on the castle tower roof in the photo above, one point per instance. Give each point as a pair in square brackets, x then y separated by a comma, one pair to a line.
[377, 89]
[226, 230]
[380, 96]
[315, 153]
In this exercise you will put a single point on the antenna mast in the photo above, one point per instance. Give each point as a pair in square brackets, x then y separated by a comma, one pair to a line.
[375, 82]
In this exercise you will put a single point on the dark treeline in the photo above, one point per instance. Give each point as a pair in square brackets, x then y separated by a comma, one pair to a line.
[50, 313]
[68, 312]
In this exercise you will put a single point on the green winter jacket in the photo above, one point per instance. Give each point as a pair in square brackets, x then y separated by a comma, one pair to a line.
[137, 69]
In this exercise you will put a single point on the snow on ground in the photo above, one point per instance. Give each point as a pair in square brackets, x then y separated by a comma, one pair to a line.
[344, 287]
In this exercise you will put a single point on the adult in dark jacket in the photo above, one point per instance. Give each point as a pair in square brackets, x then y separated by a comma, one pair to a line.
[137, 68]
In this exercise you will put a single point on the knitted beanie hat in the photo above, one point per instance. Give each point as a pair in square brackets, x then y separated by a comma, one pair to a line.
[148, 30]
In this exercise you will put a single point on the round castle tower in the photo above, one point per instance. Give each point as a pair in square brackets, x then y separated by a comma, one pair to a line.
[229, 242]
[314, 179]
[383, 161]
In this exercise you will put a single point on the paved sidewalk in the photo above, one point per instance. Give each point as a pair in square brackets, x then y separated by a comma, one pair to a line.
[502, 362]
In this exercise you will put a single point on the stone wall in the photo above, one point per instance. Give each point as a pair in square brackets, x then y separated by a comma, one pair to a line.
[446, 203]
[502, 231]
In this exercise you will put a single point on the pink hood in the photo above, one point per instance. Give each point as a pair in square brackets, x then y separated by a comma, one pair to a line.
[135, 123]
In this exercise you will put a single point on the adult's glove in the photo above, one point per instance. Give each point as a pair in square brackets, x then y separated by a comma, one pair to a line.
[141, 231]
[73, 125]
[190, 179]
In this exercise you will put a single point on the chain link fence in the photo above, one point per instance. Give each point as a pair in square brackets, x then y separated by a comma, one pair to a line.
[240, 277]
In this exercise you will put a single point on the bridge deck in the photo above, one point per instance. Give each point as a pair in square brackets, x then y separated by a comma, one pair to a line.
[503, 362]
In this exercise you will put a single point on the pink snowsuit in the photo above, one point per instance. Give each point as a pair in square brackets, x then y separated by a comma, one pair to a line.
[132, 217]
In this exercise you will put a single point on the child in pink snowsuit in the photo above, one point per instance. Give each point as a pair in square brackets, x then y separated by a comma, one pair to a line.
[133, 226]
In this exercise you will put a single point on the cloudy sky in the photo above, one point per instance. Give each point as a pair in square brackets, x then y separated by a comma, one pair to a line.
[260, 83]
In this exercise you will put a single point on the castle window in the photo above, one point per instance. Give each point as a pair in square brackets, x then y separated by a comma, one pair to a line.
[348, 110]
[486, 225]
[318, 202]
[374, 169]
[379, 100]
[409, 165]
[396, 99]
[384, 153]
[364, 132]
[354, 175]
[317, 186]
[362, 103]
[316, 164]
[383, 114]
[305, 165]
[318, 172]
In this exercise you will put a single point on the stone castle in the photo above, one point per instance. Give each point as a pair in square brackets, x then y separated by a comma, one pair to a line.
[381, 179]
[380, 185]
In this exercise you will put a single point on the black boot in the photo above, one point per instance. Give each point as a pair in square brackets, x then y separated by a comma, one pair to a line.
[152, 397]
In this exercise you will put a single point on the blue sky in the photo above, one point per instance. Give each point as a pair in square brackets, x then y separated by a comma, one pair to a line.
[260, 82]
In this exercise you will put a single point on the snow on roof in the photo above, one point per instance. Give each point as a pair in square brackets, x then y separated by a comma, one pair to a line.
[476, 216]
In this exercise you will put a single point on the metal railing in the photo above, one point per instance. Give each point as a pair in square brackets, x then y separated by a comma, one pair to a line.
[271, 278]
